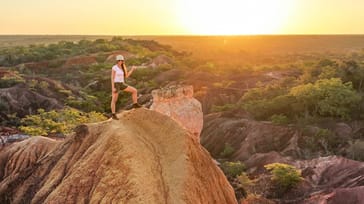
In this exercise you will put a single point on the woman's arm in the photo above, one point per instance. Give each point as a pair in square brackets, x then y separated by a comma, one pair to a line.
[130, 72]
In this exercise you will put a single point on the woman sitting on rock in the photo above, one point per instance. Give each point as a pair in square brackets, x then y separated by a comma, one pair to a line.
[118, 75]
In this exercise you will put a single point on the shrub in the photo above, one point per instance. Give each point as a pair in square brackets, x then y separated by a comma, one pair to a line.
[245, 181]
[356, 150]
[284, 177]
[264, 92]
[4, 106]
[9, 81]
[32, 84]
[62, 121]
[265, 108]
[43, 85]
[228, 151]
[226, 107]
[65, 92]
[323, 139]
[87, 103]
[279, 119]
[233, 169]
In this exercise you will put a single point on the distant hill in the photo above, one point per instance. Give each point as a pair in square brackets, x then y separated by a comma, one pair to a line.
[256, 43]
[24, 40]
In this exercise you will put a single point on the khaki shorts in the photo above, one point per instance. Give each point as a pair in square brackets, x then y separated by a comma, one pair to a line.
[120, 86]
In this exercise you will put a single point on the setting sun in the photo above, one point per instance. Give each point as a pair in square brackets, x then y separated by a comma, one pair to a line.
[234, 17]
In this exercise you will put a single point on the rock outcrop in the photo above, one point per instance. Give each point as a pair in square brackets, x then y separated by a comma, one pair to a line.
[160, 60]
[339, 196]
[178, 103]
[332, 172]
[23, 101]
[145, 157]
[334, 180]
[247, 137]
[326, 179]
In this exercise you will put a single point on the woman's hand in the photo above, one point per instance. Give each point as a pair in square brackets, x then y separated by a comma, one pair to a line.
[131, 71]
[114, 90]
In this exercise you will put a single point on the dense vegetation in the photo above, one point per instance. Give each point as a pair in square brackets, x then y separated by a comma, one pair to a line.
[44, 69]
[306, 90]
[287, 86]
[63, 49]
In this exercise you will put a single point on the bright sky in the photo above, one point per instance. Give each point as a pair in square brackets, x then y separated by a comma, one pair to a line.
[181, 17]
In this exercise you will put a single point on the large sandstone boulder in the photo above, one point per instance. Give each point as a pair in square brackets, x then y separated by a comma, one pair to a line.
[178, 103]
[145, 157]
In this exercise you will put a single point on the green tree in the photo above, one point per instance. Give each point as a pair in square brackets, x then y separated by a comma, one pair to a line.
[327, 97]
[354, 72]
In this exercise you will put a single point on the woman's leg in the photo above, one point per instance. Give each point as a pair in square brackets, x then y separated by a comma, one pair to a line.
[113, 101]
[134, 93]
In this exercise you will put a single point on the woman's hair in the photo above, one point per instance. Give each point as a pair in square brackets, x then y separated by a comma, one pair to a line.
[124, 69]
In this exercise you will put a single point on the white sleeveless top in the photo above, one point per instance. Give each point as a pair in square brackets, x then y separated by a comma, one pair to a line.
[119, 74]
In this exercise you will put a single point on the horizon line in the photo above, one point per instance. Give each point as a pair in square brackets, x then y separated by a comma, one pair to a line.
[185, 35]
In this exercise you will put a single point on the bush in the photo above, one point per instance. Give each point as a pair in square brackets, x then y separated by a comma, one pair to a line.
[327, 97]
[4, 106]
[245, 181]
[279, 119]
[43, 85]
[226, 107]
[264, 92]
[228, 151]
[265, 108]
[32, 84]
[356, 150]
[9, 81]
[87, 103]
[233, 169]
[65, 92]
[323, 140]
[62, 121]
[284, 177]
[324, 98]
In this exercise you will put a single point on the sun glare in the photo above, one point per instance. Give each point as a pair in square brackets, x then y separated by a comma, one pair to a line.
[234, 17]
